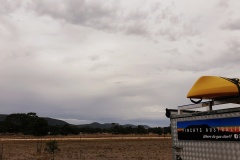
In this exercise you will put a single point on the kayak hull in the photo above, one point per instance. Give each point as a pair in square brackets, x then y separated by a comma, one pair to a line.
[211, 87]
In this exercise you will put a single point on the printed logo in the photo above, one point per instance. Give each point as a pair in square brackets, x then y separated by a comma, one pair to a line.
[236, 136]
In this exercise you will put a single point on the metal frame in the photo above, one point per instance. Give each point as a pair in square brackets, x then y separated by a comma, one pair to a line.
[185, 149]
[209, 104]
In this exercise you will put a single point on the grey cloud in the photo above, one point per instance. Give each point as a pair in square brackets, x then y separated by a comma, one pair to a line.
[168, 13]
[39, 90]
[228, 57]
[111, 17]
[223, 4]
[59, 77]
[95, 57]
[137, 15]
[177, 31]
[95, 15]
[9, 31]
[135, 22]
[156, 6]
[197, 65]
[137, 29]
[7, 7]
[77, 11]
[233, 25]
[231, 55]
[109, 108]
[200, 44]
[173, 51]
[169, 33]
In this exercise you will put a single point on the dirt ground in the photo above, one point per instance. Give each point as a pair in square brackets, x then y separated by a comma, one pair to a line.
[95, 149]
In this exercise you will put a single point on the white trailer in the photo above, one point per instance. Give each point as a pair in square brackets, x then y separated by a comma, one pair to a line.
[206, 135]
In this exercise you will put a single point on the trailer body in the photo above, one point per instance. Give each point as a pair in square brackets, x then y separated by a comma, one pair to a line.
[206, 135]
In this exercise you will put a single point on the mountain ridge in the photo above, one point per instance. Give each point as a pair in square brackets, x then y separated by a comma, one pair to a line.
[53, 122]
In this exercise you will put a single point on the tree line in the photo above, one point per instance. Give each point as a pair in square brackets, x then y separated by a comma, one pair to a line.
[31, 124]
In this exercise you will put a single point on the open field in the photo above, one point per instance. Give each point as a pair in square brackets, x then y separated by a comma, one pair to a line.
[89, 148]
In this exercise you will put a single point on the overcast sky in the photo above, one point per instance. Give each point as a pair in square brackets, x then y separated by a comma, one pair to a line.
[121, 61]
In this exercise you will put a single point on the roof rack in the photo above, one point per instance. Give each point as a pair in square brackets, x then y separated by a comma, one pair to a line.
[209, 104]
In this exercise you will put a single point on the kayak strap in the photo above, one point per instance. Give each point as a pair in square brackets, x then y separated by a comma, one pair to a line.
[234, 81]
[196, 102]
[168, 113]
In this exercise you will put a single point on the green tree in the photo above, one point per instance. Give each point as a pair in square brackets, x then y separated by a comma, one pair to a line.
[32, 114]
[16, 123]
[128, 130]
[117, 129]
[166, 130]
[141, 130]
[28, 124]
[52, 147]
[156, 130]
[39, 127]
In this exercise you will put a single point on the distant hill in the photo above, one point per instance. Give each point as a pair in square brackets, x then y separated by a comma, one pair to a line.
[53, 122]
[107, 125]
[96, 125]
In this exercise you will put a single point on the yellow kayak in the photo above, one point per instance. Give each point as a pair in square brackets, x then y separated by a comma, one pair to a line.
[211, 87]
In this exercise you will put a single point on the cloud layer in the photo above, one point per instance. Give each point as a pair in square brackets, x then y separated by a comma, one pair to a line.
[123, 62]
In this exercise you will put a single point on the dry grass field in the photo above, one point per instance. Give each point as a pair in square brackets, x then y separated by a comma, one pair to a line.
[109, 148]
